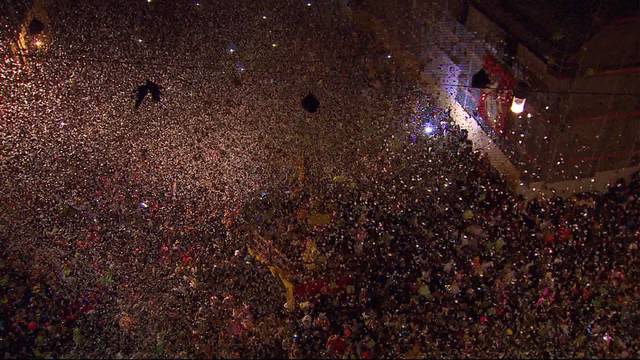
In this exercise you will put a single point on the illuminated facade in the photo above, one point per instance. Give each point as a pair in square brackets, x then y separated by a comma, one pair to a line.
[576, 59]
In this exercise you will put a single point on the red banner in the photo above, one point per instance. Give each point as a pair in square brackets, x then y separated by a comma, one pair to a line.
[494, 104]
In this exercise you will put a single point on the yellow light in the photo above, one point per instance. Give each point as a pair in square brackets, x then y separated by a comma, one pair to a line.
[38, 43]
[517, 105]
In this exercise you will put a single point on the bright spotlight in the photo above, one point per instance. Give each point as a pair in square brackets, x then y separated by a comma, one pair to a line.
[428, 129]
[517, 105]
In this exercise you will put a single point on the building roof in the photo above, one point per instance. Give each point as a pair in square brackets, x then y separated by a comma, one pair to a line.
[555, 29]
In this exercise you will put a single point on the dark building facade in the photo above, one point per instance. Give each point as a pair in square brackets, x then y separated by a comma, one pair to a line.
[581, 60]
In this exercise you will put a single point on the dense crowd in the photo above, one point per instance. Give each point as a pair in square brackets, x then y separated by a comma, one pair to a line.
[225, 221]
[438, 259]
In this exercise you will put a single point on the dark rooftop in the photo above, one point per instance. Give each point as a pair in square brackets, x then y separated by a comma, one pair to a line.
[555, 29]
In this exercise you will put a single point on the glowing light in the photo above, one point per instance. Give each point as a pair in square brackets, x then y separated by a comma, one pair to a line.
[428, 129]
[149, 1]
[264, 17]
[519, 97]
[389, 56]
[308, 4]
[139, 40]
[274, 45]
[529, 115]
[517, 106]
[38, 43]
[546, 107]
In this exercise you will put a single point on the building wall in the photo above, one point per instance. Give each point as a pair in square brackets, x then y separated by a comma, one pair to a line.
[486, 30]
[609, 63]
[588, 133]
[567, 136]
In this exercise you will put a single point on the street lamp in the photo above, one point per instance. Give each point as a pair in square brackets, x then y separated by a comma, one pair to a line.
[517, 105]
[35, 34]
[519, 97]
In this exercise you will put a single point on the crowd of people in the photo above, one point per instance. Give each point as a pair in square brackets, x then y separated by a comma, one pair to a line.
[225, 221]
[439, 259]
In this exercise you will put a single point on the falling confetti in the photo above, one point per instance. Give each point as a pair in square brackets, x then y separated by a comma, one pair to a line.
[181, 228]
